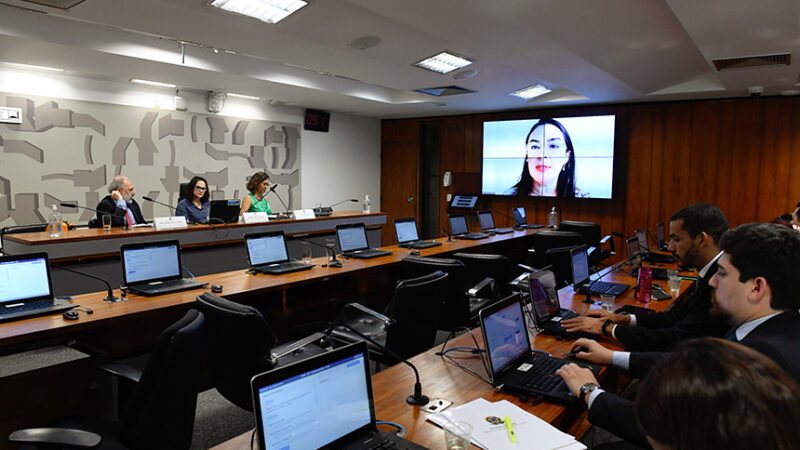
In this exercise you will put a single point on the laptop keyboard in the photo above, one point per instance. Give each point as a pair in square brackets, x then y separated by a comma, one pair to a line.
[33, 309]
[172, 286]
[542, 375]
[605, 287]
[367, 253]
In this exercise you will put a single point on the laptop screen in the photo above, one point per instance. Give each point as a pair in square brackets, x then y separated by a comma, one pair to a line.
[486, 220]
[458, 224]
[352, 237]
[519, 216]
[505, 333]
[542, 303]
[24, 277]
[150, 262]
[641, 235]
[332, 399]
[632, 246]
[266, 248]
[406, 230]
[580, 265]
[661, 237]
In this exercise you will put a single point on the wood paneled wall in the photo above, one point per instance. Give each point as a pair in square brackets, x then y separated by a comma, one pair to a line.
[739, 154]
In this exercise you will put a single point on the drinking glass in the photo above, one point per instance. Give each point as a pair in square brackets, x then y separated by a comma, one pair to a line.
[106, 222]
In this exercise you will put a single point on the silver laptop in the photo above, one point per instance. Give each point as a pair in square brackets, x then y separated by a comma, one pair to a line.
[154, 268]
[407, 236]
[487, 224]
[268, 253]
[353, 242]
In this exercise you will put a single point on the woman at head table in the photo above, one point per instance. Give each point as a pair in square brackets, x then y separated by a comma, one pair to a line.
[549, 166]
[256, 200]
[195, 205]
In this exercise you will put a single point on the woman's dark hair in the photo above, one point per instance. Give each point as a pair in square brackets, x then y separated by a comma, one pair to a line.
[255, 181]
[714, 394]
[565, 186]
[190, 189]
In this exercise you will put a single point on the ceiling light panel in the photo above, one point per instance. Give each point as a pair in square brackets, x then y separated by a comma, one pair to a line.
[248, 97]
[269, 11]
[531, 92]
[152, 83]
[32, 67]
[443, 63]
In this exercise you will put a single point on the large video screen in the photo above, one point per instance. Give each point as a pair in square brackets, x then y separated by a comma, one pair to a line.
[549, 157]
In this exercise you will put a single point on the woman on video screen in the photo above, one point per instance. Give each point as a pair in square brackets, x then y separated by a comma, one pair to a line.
[549, 166]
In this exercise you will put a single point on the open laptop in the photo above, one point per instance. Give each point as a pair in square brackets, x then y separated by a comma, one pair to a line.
[407, 237]
[487, 224]
[225, 210]
[26, 289]
[459, 230]
[581, 280]
[644, 248]
[154, 268]
[661, 237]
[353, 242]
[268, 253]
[520, 221]
[548, 313]
[512, 364]
[321, 402]
[632, 247]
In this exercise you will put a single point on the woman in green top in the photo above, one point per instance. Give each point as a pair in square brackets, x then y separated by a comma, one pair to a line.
[256, 200]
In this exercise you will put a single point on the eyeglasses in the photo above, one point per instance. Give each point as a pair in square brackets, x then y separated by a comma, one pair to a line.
[200, 188]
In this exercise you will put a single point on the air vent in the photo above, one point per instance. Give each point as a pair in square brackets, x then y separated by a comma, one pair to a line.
[751, 62]
[444, 91]
[60, 4]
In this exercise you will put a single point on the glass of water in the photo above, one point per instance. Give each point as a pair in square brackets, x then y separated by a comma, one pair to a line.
[674, 282]
[457, 435]
[607, 302]
[106, 222]
[306, 252]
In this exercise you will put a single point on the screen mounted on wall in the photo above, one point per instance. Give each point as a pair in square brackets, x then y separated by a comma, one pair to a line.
[549, 157]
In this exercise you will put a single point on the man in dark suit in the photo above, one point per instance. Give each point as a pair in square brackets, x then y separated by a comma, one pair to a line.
[694, 232]
[119, 204]
[756, 290]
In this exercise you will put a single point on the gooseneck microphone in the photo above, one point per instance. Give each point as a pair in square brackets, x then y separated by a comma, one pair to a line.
[102, 213]
[272, 189]
[111, 298]
[172, 208]
[328, 210]
[329, 252]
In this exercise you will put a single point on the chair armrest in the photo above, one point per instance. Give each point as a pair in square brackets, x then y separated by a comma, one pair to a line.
[123, 371]
[527, 268]
[61, 437]
[605, 239]
[611, 246]
[486, 283]
[291, 347]
[388, 321]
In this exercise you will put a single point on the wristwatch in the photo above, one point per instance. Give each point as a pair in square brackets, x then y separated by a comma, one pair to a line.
[587, 389]
[605, 326]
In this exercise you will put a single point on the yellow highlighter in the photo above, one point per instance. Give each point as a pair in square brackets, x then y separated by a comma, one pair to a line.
[510, 429]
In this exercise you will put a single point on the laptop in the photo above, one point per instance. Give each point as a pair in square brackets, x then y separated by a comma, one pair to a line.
[459, 230]
[644, 247]
[268, 253]
[353, 242]
[407, 237]
[512, 364]
[632, 247]
[225, 210]
[487, 224]
[548, 313]
[661, 237]
[26, 289]
[581, 280]
[154, 268]
[520, 221]
[324, 401]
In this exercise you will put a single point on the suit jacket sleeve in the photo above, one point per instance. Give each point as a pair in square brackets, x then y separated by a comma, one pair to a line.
[107, 206]
[617, 415]
[640, 363]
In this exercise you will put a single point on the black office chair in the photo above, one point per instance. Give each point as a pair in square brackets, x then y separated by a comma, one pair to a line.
[544, 240]
[183, 191]
[591, 232]
[160, 413]
[559, 261]
[240, 343]
[29, 228]
[409, 323]
[456, 311]
[481, 267]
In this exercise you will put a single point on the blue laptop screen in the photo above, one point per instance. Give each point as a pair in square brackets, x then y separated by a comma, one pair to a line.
[486, 220]
[519, 216]
[506, 336]
[266, 249]
[352, 238]
[151, 263]
[23, 279]
[458, 225]
[580, 265]
[406, 230]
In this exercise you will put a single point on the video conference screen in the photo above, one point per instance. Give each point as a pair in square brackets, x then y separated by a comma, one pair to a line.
[549, 157]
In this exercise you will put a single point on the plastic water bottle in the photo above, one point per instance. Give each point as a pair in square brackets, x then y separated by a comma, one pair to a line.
[553, 218]
[55, 223]
[367, 206]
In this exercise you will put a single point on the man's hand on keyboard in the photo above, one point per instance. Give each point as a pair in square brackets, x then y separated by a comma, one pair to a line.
[592, 351]
[575, 376]
[583, 323]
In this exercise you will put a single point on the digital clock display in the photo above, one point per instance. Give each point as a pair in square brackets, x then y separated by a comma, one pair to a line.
[317, 120]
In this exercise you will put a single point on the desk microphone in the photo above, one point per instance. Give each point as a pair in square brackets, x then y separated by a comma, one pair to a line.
[272, 189]
[101, 213]
[332, 262]
[448, 234]
[416, 398]
[110, 298]
[172, 208]
[328, 210]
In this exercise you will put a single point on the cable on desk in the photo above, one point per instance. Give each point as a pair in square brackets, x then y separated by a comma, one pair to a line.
[217, 234]
[401, 430]
[188, 271]
[443, 353]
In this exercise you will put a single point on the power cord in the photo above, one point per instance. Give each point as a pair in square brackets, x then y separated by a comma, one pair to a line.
[188, 271]
[472, 350]
[401, 430]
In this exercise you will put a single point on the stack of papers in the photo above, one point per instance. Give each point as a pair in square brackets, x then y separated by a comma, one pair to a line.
[531, 432]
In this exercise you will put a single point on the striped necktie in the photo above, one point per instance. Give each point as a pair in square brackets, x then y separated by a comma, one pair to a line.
[129, 217]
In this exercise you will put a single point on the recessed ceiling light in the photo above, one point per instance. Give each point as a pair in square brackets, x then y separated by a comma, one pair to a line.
[270, 11]
[152, 83]
[531, 92]
[443, 63]
[30, 66]
[249, 97]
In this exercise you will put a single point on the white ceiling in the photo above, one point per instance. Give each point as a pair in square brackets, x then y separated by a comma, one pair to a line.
[587, 51]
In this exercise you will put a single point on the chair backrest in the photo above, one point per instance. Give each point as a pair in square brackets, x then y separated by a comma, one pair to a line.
[544, 240]
[160, 413]
[416, 308]
[28, 228]
[182, 194]
[238, 344]
[456, 302]
[480, 266]
[589, 230]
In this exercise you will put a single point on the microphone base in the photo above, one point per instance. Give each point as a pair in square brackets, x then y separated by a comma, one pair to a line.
[335, 264]
[113, 299]
[417, 401]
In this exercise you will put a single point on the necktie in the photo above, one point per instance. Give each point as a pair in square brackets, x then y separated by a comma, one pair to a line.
[129, 217]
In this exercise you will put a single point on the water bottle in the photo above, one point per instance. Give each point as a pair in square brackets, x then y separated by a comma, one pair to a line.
[367, 207]
[553, 218]
[55, 223]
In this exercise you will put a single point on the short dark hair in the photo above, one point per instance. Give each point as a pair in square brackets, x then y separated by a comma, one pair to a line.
[771, 251]
[711, 393]
[256, 180]
[700, 217]
[190, 189]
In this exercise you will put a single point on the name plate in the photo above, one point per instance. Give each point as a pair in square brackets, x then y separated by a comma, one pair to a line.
[304, 214]
[170, 223]
[255, 217]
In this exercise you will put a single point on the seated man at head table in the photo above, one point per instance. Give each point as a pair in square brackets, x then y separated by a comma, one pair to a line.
[694, 232]
[756, 290]
[119, 204]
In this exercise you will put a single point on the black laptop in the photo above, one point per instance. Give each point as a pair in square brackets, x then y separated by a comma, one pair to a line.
[661, 237]
[321, 402]
[581, 280]
[644, 248]
[520, 221]
[268, 253]
[487, 224]
[407, 237]
[459, 229]
[26, 289]
[635, 257]
[154, 268]
[353, 242]
[513, 365]
[548, 313]
[225, 210]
